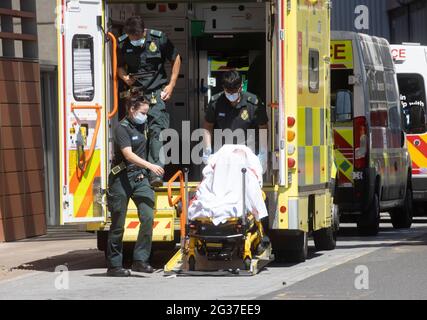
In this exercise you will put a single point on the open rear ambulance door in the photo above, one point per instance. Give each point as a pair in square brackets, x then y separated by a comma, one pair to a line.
[82, 111]
[278, 71]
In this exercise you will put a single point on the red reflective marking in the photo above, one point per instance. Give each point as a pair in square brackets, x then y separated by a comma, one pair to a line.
[338, 66]
[133, 225]
[340, 142]
[422, 146]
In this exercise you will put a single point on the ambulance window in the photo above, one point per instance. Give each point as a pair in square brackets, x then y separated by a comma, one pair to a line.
[314, 71]
[83, 68]
[413, 99]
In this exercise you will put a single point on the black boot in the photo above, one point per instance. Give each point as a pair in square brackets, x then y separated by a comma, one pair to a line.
[156, 182]
[118, 272]
[139, 266]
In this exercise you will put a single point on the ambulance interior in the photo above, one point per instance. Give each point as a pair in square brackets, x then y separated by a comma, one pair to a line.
[210, 37]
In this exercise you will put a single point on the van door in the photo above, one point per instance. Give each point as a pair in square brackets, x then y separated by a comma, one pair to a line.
[342, 69]
[82, 111]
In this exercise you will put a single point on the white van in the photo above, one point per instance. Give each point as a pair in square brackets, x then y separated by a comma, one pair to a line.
[374, 167]
[411, 68]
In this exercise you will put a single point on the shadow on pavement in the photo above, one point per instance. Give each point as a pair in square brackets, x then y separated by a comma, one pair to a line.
[104, 275]
[87, 260]
[73, 260]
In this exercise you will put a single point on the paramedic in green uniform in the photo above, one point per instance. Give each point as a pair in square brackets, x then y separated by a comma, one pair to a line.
[234, 109]
[128, 180]
[141, 63]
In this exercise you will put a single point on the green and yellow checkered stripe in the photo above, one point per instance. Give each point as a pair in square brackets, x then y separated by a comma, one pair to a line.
[313, 167]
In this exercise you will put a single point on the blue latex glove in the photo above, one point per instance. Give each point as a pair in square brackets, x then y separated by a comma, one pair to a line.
[206, 154]
[263, 158]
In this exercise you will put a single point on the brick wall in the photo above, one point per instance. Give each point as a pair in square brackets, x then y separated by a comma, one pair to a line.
[22, 202]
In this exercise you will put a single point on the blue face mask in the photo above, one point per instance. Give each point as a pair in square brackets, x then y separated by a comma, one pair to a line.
[232, 97]
[140, 118]
[138, 43]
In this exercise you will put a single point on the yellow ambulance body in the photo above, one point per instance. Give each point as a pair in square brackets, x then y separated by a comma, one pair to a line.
[295, 37]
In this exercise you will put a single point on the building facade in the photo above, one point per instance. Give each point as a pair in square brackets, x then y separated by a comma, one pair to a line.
[22, 188]
[396, 20]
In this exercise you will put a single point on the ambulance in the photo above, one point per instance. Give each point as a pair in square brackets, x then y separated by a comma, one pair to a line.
[290, 42]
[411, 66]
[374, 167]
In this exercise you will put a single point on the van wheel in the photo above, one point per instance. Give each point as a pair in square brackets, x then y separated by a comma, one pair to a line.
[325, 239]
[401, 218]
[299, 251]
[369, 222]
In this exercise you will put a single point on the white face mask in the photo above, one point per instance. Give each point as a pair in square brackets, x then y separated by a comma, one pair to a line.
[140, 118]
[138, 43]
[232, 97]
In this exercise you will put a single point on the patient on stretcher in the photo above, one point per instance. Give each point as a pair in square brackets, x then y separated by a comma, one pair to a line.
[220, 194]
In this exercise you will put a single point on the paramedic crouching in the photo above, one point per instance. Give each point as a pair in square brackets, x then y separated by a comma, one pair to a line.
[129, 180]
[234, 109]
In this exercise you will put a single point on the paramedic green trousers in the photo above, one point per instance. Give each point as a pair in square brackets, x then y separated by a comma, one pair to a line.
[122, 188]
[158, 120]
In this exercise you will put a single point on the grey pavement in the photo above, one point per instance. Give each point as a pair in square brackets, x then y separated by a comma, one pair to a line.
[325, 275]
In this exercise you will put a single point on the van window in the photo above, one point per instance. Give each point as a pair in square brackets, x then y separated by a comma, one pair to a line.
[371, 56]
[385, 52]
[394, 113]
[376, 85]
[314, 71]
[413, 99]
[83, 68]
[343, 106]
[391, 90]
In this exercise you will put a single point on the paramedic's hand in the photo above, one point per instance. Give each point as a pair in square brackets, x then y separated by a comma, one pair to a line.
[157, 170]
[206, 154]
[166, 94]
[263, 158]
[129, 80]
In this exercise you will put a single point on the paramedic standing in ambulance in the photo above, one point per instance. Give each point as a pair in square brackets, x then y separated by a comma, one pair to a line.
[128, 180]
[234, 109]
[141, 63]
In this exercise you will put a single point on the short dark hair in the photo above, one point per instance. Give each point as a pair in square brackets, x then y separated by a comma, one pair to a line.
[231, 80]
[135, 102]
[134, 25]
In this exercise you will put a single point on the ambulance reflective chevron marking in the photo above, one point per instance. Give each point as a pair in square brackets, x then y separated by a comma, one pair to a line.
[163, 226]
[84, 201]
[418, 149]
[343, 137]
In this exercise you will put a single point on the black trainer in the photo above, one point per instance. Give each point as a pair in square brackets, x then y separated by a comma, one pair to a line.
[156, 182]
[118, 272]
[139, 266]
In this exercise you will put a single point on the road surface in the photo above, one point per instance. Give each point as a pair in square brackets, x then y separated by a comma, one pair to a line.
[392, 265]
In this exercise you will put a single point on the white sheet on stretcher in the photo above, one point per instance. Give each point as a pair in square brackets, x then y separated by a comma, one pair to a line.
[220, 194]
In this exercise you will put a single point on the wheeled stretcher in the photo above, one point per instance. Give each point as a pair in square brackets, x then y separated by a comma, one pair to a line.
[235, 245]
